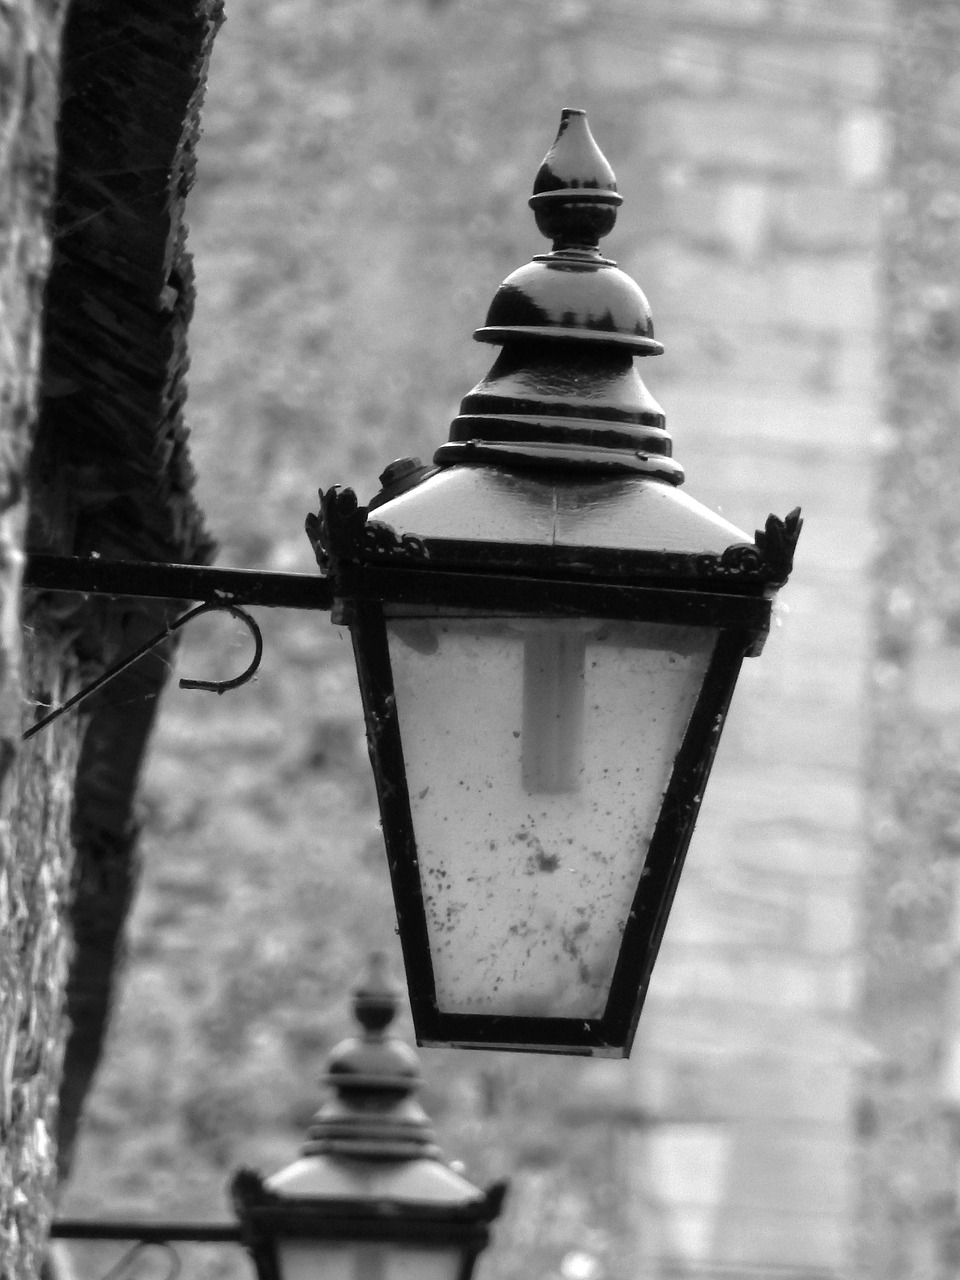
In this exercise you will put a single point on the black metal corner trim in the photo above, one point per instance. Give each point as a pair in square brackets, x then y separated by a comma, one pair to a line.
[341, 531]
[344, 533]
[777, 542]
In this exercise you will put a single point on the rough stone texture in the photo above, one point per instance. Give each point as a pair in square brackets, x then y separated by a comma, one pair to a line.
[36, 891]
[908, 1114]
[34, 848]
[110, 473]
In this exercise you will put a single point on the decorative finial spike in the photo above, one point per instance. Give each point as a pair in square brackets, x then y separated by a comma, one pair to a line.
[376, 996]
[575, 195]
[370, 1110]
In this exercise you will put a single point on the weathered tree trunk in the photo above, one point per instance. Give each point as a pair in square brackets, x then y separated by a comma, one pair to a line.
[34, 794]
[910, 1004]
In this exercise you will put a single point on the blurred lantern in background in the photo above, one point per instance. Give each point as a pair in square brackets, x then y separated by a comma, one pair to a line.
[370, 1198]
[548, 633]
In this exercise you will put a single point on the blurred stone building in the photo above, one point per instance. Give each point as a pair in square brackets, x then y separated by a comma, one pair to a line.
[760, 153]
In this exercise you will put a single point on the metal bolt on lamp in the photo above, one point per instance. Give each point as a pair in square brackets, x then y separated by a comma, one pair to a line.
[547, 632]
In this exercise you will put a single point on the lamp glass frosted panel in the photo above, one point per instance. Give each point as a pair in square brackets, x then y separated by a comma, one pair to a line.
[347, 1260]
[537, 754]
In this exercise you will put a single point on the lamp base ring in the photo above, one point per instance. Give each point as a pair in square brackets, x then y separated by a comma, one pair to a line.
[551, 455]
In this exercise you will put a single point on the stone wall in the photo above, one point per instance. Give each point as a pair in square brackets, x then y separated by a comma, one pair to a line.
[92, 358]
[34, 807]
[910, 1149]
[759, 156]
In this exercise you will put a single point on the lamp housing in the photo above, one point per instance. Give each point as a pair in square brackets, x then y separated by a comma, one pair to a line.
[547, 632]
[370, 1196]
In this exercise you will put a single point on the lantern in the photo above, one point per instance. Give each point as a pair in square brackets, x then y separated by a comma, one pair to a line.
[547, 632]
[370, 1198]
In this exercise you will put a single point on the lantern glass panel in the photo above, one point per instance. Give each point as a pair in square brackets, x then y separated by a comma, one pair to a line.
[371, 1260]
[537, 752]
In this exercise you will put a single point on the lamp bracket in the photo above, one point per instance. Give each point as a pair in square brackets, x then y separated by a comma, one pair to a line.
[147, 579]
[144, 1236]
[214, 686]
[218, 590]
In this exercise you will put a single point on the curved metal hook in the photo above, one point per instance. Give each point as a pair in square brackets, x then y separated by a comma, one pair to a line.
[221, 686]
[126, 1264]
[215, 686]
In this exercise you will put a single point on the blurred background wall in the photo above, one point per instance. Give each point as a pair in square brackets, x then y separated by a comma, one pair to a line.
[362, 191]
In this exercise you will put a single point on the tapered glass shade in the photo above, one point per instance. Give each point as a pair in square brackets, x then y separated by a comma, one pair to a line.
[537, 754]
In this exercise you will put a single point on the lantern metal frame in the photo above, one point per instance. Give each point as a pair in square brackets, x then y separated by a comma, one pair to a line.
[370, 569]
[264, 1217]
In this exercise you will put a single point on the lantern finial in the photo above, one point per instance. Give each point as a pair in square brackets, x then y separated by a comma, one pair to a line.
[575, 192]
[370, 1193]
[563, 394]
[372, 1079]
[376, 996]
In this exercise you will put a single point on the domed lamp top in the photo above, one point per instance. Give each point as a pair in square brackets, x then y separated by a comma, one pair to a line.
[575, 202]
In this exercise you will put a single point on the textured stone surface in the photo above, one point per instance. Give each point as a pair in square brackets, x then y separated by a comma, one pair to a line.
[34, 807]
[107, 474]
[910, 1154]
[110, 473]
[763, 274]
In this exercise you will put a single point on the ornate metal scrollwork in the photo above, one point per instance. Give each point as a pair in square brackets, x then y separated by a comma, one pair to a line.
[337, 528]
[777, 542]
[341, 531]
[768, 560]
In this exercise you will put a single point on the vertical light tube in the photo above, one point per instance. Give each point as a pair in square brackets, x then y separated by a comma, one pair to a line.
[554, 687]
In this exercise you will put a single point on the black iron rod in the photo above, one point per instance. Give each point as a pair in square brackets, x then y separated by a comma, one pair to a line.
[148, 1232]
[150, 580]
[215, 686]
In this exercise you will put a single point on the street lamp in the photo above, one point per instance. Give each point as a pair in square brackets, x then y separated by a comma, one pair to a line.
[370, 1198]
[547, 634]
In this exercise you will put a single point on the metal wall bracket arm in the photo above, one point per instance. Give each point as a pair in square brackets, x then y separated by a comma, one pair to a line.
[145, 1235]
[145, 1232]
[145, 580]
[214, 686]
